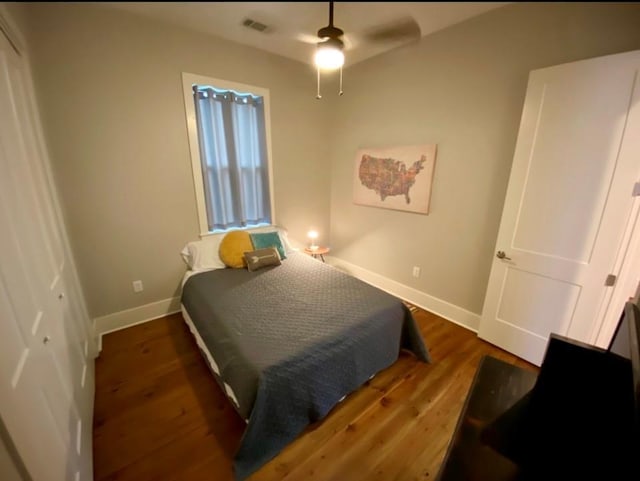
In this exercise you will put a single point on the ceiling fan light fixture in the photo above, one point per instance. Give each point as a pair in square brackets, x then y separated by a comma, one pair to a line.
[329, 55]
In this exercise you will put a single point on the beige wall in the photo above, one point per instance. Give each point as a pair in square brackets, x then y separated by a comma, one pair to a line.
[463, 89]
[109, 88]
[8, 469]
[11, 467]
[15, 14]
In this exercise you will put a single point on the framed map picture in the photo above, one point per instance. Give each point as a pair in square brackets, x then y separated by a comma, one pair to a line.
[396, 178]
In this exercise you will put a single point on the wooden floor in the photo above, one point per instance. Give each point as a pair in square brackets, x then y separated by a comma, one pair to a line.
[159, 414]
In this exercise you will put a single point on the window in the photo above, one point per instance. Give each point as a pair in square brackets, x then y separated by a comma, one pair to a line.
[228, 126]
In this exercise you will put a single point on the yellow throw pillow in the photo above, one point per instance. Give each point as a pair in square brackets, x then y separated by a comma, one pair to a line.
[232, 248]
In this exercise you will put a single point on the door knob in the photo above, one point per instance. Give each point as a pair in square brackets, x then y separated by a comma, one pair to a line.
[502, 255]
[46, 340]
[61, 296]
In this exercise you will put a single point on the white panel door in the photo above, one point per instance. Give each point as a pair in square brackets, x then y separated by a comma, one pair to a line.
[576, 161]
[46, 394]
[25, 407]
[45, 232]
[35, 401]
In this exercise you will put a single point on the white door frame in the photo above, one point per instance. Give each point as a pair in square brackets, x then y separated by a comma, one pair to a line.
[627, 271]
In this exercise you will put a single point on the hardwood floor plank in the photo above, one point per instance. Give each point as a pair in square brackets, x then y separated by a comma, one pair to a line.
[355, 406]
[200, 447]
[376, 435]
[160, 415]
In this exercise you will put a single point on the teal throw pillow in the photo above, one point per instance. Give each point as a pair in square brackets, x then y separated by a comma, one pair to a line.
[263, 240]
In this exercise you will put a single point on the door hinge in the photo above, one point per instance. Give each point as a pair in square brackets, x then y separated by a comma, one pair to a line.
[636, 190]
[610, 280]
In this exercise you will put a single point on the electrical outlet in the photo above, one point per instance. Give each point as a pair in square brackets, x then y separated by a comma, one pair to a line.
[137, 286]
[416, 271]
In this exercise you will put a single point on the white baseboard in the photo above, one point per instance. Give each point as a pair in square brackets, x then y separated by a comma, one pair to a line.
[137, 315]
[458, 315]
[451, 312]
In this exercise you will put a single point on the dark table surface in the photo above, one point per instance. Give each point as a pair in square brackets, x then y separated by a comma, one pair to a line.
[475, 451]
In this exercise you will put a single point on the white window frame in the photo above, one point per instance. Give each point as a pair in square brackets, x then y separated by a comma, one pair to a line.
[190, 79]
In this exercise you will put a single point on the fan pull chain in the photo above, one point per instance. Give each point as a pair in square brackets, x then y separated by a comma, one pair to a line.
[318, 95]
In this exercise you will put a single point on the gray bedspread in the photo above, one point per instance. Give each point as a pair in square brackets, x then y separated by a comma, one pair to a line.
[291, 341]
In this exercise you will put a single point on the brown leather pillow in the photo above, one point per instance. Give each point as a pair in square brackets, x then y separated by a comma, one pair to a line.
[262, 258]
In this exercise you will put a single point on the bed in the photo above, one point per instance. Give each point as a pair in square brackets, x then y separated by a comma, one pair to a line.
[288, 342]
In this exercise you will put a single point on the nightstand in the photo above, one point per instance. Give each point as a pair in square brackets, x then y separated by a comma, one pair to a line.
[320, 251]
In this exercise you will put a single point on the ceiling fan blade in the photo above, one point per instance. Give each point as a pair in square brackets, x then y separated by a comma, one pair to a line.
[401, 30]
[307, 38]
[350, 41]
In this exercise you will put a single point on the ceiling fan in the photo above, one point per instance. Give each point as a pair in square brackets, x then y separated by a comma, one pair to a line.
[331, 41]
[396, 31]
[329, 55]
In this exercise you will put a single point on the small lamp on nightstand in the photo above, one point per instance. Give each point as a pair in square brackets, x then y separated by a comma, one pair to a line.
[313, 235]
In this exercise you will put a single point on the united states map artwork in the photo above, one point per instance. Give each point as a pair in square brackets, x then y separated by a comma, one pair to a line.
[389, 176]
[395, 178]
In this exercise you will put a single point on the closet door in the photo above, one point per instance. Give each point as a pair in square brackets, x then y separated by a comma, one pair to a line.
[46, 359]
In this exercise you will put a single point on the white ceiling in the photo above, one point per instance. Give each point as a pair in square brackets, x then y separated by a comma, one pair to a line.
[293, 25]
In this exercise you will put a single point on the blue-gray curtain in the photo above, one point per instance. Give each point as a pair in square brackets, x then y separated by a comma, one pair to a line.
[233, 153]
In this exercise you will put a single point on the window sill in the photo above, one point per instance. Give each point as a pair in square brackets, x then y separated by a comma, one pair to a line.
[224, 231]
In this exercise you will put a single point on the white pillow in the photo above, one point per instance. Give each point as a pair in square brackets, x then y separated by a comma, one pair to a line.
[203, 254]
